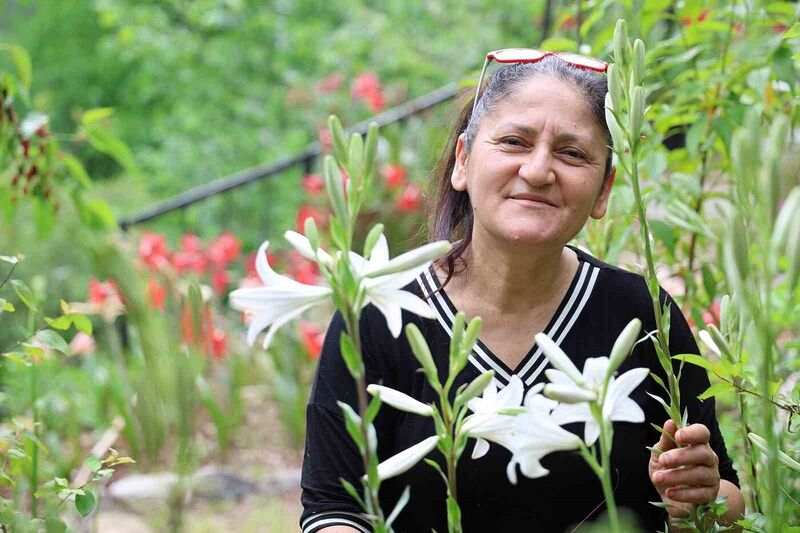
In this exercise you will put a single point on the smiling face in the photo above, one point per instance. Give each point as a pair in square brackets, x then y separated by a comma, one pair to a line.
[534, 173]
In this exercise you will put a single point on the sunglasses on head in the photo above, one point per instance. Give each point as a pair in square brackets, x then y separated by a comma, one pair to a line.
[530, 55]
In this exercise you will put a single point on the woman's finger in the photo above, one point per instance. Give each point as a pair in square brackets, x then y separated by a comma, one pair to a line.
[699, 454]
[695, 495]
[702, 476]
[665, 443]
[693, 434]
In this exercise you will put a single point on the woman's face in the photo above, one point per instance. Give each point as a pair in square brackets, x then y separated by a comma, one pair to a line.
[535, 171]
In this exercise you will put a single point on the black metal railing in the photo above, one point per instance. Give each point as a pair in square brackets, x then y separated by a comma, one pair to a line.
[305, 158]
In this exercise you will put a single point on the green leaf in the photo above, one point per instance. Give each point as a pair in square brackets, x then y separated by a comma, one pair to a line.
[82, 323]
[95, 115]
[93, 463]
[5, 305]
[717, 388]
[104, 141]
[697, 360]
[61, 323]
[558, 44]
[351, 357]
[84, 503]
[53, 524]
[52, 340]
[77, 170]
[793, 32]
[18, 357]
[22, 62]
[24, 293]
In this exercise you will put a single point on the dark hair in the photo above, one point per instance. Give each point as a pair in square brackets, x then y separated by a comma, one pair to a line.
[450, 211]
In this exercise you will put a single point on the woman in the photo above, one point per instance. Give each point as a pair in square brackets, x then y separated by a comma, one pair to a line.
[522, 174]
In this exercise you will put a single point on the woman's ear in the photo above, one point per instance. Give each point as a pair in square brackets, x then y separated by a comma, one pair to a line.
[458, 179]
[601, 204]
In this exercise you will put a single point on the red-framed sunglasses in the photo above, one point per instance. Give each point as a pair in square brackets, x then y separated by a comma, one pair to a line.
[530, 55]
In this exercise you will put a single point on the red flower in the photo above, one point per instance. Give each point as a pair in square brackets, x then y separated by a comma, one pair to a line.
[703, 15]
[186, 261]
[325, 138]
[394, 174]
[313, 184]
[102, 291]
[779, 28]
[411, 198]
[190, 243]
[153, 250]
[376, 101]
[219, 344]
[712, 314]
[569, 23]
[365, 84]
[189, 335]
[157, 294]
[311, 337]
[306, 211]
[219, 281]
[302, 269]
[223, 250]
[330, 83]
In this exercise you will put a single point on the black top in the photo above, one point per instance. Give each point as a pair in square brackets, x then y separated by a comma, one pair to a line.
[599, 303]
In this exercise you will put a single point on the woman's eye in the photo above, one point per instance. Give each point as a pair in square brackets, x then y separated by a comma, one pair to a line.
[574, 154]
[512, 141]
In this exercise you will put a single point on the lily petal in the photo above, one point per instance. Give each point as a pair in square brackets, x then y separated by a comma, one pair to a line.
[405, 300]
[391, 312]
[379, 257]
[594, 371]
[569, 393]
[481, 447]
[627, 410]
[621, 387]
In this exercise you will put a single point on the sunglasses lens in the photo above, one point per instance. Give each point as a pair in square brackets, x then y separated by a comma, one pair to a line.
[583, 61]
[517, 55]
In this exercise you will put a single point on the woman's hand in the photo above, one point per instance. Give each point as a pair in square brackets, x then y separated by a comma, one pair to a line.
[685, 476]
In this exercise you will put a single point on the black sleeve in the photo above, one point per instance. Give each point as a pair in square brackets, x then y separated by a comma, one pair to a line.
[693, 382]
[330, 454]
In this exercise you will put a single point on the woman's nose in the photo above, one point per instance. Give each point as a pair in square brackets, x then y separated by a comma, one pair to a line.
[537, 168]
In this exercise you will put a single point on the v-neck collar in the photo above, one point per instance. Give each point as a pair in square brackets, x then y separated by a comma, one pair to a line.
[534, 361]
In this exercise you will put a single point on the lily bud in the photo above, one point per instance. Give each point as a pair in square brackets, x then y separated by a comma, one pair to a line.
[400, 400]
[558, 358]
[305, 247]
[370, 148]
[476, 387]
[338, 139]
[333, 186]
[761, 444]
[568, 393]
[623, 345]
[372, 238]
[621, 43]
[636, 113]
[403, 461]
[783, 222]
[615, 88]
[617, 136]
[310, 229]
[422, 352]
[355, 159]
[638, 61]
[414, 258]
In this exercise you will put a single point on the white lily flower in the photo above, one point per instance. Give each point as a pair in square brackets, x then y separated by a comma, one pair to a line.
[569, 393]
[383, 280]
[487, 422]
[617, 406]
[400, 400]
[280, 299]
[403, 461]
[537, 434]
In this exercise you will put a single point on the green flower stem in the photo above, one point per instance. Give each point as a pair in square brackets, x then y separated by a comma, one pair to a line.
[34, 381]
[603, 470]
[353, 329]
